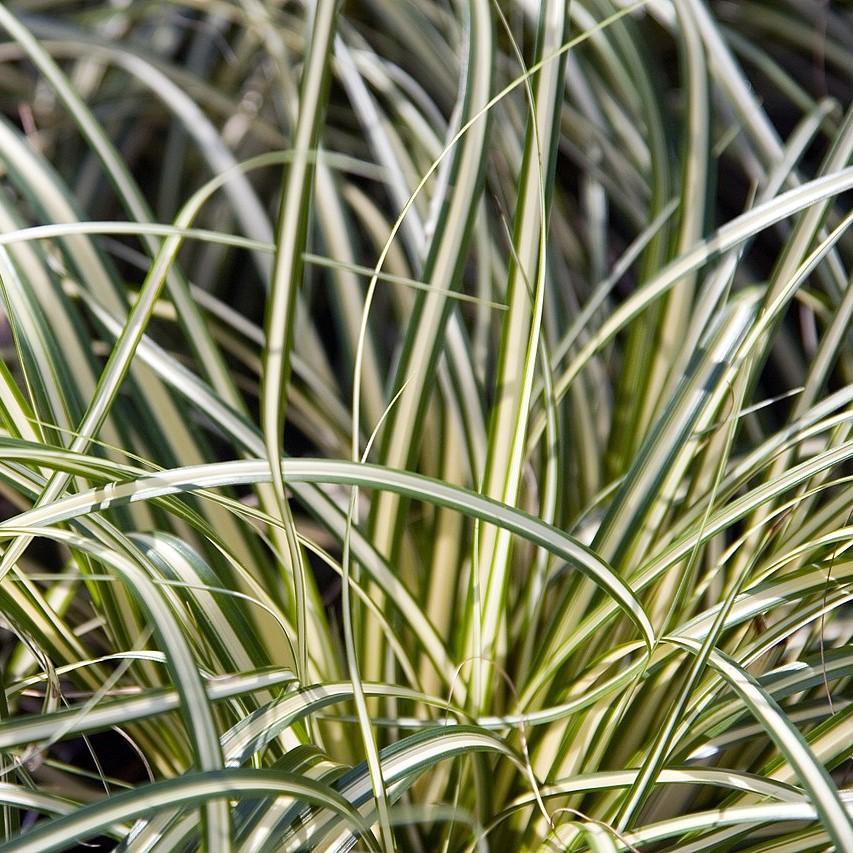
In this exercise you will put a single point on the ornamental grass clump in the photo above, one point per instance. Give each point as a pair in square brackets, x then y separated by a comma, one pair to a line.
[426, 425]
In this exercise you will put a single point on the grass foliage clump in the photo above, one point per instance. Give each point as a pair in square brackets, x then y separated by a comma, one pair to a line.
[426, 424]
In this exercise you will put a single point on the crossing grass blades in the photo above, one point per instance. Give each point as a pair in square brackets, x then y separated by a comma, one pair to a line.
[426, 425]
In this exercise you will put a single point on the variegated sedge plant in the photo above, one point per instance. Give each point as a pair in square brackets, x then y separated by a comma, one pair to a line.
[426, 425]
